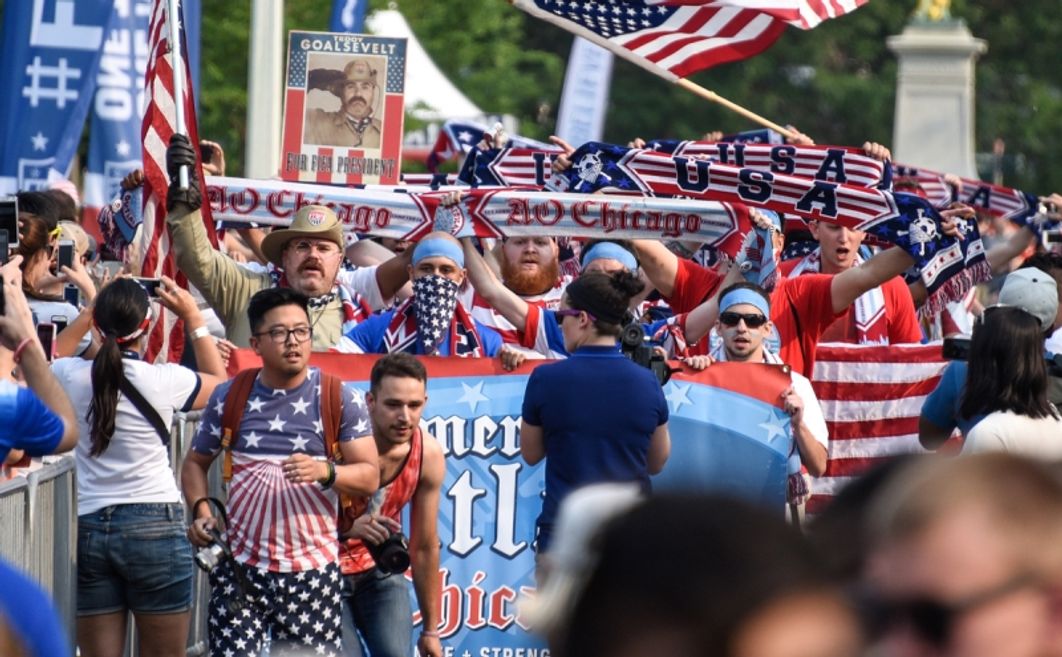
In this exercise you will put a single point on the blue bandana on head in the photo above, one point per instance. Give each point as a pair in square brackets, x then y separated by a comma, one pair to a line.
[437, 246]
[744, 295]
[610, 251]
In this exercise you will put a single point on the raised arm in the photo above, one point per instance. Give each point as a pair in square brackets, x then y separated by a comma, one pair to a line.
[700, 320]
[659, 264]
[849, 285]
[505, 301]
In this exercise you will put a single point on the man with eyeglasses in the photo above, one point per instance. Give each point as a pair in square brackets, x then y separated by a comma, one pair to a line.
[965, 559]
[306, 257]
[282, 498]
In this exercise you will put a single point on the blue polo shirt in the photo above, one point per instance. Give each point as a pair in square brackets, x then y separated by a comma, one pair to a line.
[598, 411]
[369, 336]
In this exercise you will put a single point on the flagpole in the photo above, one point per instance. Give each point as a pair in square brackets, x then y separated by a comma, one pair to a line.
[708, 94]
[173, 17]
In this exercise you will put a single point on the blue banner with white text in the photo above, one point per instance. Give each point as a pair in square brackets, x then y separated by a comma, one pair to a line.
[50, 52]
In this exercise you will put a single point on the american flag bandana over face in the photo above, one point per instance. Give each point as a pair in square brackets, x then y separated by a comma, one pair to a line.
[434, 302]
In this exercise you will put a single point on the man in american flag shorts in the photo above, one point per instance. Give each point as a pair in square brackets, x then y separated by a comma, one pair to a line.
[283, 579]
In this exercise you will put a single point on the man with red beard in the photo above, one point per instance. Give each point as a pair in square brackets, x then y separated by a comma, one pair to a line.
[530, 267]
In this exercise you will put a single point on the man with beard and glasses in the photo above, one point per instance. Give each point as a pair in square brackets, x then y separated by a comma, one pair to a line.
[353, 124]
[431, 322]
[306, 257]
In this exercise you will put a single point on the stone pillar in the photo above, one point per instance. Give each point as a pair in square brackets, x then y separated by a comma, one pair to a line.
[934, 122]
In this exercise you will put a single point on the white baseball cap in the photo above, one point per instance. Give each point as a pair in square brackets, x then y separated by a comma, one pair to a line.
[1034, 291]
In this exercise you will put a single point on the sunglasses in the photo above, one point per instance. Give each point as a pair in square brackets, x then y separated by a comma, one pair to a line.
[933, 620]
[752, 320]
[572, 312]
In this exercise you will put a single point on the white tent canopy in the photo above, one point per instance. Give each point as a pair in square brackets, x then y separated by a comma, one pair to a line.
[430, 96]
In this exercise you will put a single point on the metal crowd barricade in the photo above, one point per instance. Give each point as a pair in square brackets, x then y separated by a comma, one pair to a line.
[38, 517]
[38, 513]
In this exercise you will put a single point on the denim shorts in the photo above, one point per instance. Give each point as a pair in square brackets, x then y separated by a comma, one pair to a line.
[136, 557]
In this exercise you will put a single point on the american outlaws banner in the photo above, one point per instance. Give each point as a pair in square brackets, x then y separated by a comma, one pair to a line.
[995, 200]
[50, 54]
[491, 497]
[343, 108]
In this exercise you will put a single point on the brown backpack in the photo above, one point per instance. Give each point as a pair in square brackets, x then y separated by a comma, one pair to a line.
[331, 415]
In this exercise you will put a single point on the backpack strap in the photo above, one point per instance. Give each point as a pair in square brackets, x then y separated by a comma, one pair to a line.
[235, 403]
[331, 417]
[331, 414]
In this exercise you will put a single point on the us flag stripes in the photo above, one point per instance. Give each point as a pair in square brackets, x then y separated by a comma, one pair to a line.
[166, 338]
[676, 41]
[804, 14]
[871, 397]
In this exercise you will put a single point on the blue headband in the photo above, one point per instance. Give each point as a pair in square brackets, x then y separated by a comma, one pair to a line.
[745, 295]
[437, 246]
[610, 251]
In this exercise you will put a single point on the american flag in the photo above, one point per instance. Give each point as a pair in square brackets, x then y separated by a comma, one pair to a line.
[459, 137]
[166, 339]
[676, 41]
[871, 397]
[804, 14]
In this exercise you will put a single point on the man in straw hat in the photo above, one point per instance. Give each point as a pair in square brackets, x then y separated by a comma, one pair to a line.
[307, 257]
[352, 124]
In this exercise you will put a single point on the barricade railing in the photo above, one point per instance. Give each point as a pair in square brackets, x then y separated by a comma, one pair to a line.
[38, 517]
[38, 513]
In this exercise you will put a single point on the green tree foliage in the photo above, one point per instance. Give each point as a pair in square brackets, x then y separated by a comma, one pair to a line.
[836, 83]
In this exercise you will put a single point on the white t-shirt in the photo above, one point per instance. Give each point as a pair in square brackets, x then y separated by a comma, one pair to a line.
[814, 420]
[135, 467]
[1004, 431]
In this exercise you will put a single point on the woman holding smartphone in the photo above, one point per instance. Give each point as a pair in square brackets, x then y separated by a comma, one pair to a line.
[44, 289]
[132, 551]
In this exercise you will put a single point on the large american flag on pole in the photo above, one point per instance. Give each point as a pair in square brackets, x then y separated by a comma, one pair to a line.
[166, 338]
[676, 39]
[871, 397]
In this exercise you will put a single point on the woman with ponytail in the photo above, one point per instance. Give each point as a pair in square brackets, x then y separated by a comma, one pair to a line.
[596, 416]
[132, 550]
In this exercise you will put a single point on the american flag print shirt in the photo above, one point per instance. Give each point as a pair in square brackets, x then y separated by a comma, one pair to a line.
[275, 524]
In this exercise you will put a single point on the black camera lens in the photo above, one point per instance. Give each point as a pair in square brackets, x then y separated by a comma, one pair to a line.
[391, 556]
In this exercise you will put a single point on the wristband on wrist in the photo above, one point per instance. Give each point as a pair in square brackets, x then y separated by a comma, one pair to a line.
[20, 348]
[200, 332]
[331, 478]
[430, 634]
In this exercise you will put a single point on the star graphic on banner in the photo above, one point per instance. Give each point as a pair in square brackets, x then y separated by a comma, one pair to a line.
[253, 439]
[40, 142]
[473, 395]
[220, 406]
[464, 136]
[774, 427]
[276, 424]
[356, 398]
[256, 404]
[300, 406]
[318, 426]
[361, 426]
[679, 396]
[298, 443]
[123, 148]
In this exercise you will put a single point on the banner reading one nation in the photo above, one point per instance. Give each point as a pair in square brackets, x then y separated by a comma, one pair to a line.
[343, 109]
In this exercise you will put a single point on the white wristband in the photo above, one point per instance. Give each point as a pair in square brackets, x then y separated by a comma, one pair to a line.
[200, 332]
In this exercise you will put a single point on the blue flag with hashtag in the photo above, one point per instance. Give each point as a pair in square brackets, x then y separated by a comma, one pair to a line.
[51, 52]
